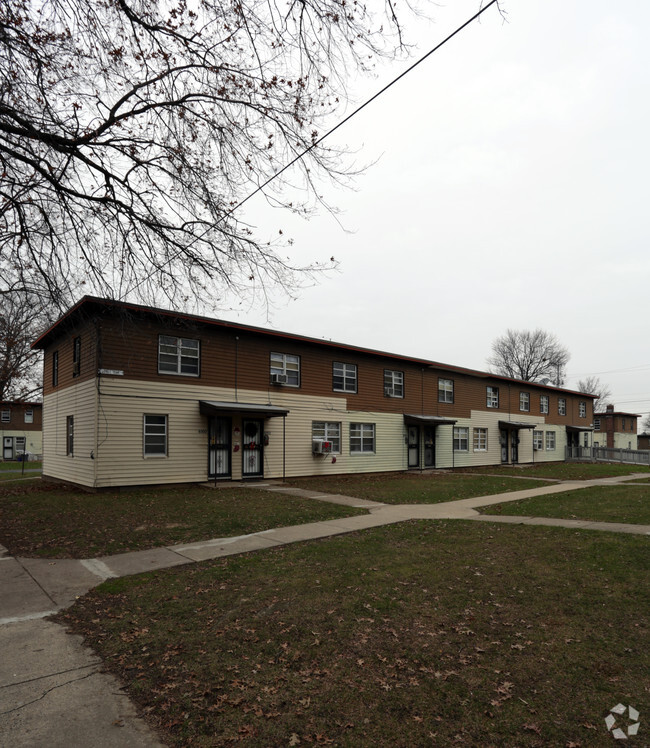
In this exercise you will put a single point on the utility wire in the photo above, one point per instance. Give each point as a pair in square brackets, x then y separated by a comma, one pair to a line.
[317, 142]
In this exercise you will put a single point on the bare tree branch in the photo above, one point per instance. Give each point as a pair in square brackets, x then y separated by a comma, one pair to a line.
[593, 386]
[131, 129]
[531, 356]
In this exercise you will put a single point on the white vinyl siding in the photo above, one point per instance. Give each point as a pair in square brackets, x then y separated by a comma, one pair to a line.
[178, 356]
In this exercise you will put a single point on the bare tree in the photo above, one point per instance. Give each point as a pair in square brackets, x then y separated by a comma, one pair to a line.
[531, 356]
[131, 129]
[645, 425]
[21, 319]
[593, 386]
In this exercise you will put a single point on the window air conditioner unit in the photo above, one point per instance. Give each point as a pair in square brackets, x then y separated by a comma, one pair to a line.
[321, 447]
[278, 378]
[389, 391]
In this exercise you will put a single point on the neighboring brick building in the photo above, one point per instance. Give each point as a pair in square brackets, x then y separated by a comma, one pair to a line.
[21, 427]
[137, 395]
[615, 429]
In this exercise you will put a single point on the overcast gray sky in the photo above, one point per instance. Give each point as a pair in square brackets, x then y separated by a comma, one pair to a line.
[510, 191]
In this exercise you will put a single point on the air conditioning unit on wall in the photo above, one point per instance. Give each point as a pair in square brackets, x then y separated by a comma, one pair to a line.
[278, 378]
[321, 447]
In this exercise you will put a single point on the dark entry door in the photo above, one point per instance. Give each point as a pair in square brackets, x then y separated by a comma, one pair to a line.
[514, 447]
[429, 446]
[252, 463]
[503, 439]
[414, 446]
[8, 448]
[219, 448]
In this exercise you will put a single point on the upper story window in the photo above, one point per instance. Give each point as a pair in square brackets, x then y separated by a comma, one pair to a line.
[597, 424]
[393, 383]
[29, 416]
[623, 420]
[445, 390]
[524, 401]
[5, 417]
[76, 357]
[582, 409]
[285, 369]
[178, 356]
[344, 377]
[543, 403]
[492, 394]
[55, 368]
[561, 406]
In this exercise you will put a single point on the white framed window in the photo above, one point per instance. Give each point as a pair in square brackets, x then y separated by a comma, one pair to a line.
[582, 409]
[344, 377]
[393, 383]
[5, 417]
[29, 416]
[543, 403]
[538, 440]
[178, 356]
[597, 424]
[21, 443]
[69, 436]
[492, 395]
[550, 441]
[329, 432]
[154, 441]
[524, 401]
[623, 428]
[561, 406]
[362, 438]
[461, 439]
[285, 369]
[480, 440]
[445, 390]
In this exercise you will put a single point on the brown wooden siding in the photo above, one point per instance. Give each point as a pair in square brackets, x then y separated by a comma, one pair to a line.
[241, 359]
[17, 418]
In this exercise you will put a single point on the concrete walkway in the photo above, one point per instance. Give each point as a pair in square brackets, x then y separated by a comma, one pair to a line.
[46, 673]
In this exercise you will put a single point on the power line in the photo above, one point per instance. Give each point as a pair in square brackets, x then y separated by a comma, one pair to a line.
[316, 143]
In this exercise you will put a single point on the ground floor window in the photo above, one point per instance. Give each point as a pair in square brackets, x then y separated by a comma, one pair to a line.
[480, 440]
[155, 436]
[538, 440]
[20, 444]
[362, 438]
[329, 432]
[550, 441]
[461, 439]
[69, 435]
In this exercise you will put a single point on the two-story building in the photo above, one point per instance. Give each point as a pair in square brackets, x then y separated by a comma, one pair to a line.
[615, 429]
[21, 429]
[138, 395]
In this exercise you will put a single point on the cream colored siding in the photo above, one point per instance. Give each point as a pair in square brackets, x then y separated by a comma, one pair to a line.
[80, 402]
[623, 440]
[33, 440]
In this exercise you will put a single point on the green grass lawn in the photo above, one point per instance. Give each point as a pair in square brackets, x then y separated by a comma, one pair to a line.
[566, 470]
[622, 503]
[47, 520]
[424, 633]
[12, 470]
[414, 488]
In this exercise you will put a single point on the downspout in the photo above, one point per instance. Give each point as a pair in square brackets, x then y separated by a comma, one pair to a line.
[94, 456]
[236, 368]
[284, 448]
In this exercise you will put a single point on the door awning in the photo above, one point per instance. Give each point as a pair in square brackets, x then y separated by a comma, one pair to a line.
[216, 408]
[516, 425]
[427, 420]
[579, 428]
